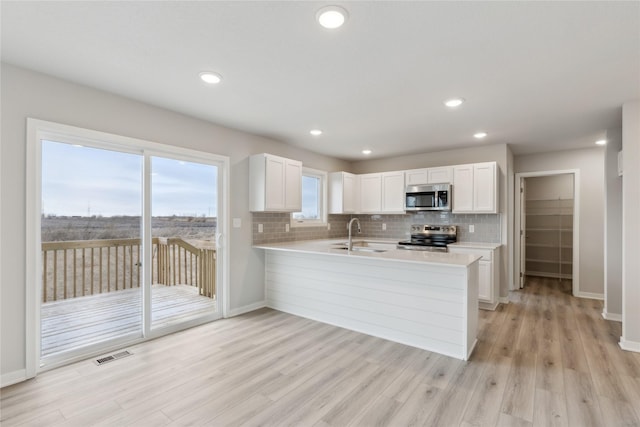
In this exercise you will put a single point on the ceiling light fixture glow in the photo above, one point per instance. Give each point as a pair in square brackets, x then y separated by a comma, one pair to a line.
[331, 17]
[210, 77]
[480, 135]
[601, 142]
[366, 152]
[454, 102]
[315, 132]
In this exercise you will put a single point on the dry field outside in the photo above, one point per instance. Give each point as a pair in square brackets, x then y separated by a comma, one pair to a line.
[103, 253]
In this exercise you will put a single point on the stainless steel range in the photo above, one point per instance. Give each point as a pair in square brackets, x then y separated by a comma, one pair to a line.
[434, 238]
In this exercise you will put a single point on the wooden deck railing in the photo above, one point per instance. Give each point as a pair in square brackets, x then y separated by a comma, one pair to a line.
[86, 267]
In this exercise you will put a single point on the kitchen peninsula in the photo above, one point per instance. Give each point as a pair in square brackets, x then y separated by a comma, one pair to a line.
[423, 299]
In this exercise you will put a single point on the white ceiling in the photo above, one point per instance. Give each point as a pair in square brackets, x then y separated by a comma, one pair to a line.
[539, 76]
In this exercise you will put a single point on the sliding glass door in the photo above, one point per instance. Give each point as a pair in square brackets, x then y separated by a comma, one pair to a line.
[184, 206]
[127, 241]
[91, 247]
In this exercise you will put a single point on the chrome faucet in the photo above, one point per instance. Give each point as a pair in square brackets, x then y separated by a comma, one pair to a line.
[350, 247]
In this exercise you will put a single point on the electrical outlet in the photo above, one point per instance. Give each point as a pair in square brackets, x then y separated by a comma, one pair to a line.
[472, 228]
[286, 228]
[260, 228]
[384, 227]
[237, 222]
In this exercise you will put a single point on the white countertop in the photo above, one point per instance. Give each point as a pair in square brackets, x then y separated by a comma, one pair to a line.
[327, 247]
[478, 245]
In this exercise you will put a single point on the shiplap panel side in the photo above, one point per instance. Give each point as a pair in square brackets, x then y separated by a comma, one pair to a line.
[420, 305]
[337, 317]
[391, 308]
[399, 296]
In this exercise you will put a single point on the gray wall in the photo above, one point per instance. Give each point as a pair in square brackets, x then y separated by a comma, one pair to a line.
[631, 225]
[613, 229]
[28, 94]
[590, 163]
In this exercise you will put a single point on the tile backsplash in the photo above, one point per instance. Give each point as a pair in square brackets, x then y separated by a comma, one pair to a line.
[487, 226]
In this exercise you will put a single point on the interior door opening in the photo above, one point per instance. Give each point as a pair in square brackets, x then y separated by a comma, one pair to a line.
[547, 228]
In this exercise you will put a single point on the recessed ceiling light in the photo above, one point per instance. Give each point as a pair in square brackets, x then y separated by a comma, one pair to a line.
[454, 102]
[366, 152]
[601, 142]
[331, 17]
[480, 135]
[210, 77]
[315, 132]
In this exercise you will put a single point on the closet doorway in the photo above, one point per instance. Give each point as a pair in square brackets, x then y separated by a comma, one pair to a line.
[547, 219]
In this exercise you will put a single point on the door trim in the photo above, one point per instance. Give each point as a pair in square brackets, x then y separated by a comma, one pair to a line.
[40, 129]
[576, 225]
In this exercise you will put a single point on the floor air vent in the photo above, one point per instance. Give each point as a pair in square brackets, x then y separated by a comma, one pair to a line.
[113, 357]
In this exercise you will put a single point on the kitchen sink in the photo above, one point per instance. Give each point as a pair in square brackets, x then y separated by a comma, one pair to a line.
[360, 249]
[364, 246]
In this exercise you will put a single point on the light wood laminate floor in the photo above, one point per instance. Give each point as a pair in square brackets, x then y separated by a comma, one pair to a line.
[545, 359]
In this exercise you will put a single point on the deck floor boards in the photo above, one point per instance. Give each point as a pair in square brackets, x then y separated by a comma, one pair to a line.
[74, 322]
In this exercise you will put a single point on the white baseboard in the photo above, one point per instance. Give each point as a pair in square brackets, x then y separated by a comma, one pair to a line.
[590, 295]
[503, 300]
[11, 378]
[629, 345]
[488, 306]
[246, 309]
[611, 316]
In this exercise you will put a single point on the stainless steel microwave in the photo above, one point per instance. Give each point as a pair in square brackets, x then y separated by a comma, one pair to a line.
[431, 197]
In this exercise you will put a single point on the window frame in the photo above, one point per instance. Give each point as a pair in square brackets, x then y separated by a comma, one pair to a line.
[322, 221]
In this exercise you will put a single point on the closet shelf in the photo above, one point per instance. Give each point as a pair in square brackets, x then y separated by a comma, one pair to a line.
[548, 245]
[549, 261]
[549, 223]
[547, 274]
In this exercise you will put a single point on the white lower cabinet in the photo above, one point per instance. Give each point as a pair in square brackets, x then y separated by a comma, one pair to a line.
[488, 271]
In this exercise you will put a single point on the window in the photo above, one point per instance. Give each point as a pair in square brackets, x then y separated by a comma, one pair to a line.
[314, 200]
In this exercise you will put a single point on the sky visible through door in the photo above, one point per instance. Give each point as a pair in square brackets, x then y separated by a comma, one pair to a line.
[84, 181]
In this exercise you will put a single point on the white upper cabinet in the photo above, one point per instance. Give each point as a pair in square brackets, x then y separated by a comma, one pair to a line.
[429, 176]
[440, 175]
[475, 188]
[275, 184]
[463, 188]
[382, 192]
[417, 176]
[393, 192]
[343, 197]
[485, 179]
[371, 193]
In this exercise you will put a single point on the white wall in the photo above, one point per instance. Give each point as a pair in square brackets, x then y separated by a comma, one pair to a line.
[590, 162]
[630, 226]
[28, 94]
[499, 153]
[613, 229]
